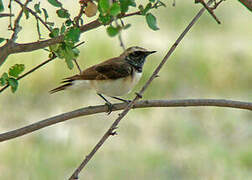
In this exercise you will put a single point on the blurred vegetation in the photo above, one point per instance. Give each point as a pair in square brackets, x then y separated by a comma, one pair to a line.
[213, 61]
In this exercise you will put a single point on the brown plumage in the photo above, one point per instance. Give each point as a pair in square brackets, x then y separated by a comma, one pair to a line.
[101, 75]
[111, 69]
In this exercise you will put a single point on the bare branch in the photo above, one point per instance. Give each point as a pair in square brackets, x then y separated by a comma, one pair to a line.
[120, 35]
[5, 15]
[116, 107]
[210, 10]
[110, 131]
[77, 65]
[10, 12]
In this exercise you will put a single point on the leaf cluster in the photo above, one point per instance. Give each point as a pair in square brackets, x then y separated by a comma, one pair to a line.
[108, 14]
[10, 78]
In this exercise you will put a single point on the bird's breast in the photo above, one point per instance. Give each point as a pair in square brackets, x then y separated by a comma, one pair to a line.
[117, 87]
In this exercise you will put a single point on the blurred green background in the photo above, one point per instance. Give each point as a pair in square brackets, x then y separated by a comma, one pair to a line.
[213, 61]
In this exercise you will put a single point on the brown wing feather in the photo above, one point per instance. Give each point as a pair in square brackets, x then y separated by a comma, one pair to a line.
[111, 69]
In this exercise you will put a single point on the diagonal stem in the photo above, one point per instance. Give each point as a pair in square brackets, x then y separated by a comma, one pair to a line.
[110, 131]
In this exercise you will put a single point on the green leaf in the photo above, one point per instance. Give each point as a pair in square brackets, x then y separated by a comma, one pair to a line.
[45, 14]
[152, 1]
[105, 19]
[126, 26]
[54, 33]
[146, 9]
[37, 8]
[63, 13]
[115, 9]
[103, 6]
[69, 55]
[54, 47]
[26, 13]
[51, 24]
[73, 34]
[151, 21]
[1, 40]
[4, 79]
[125, 5]
[2, 82]
[62, 29]
[68, 22]
[1, 6]
[55, 3]
[141, 8]
[13, 83]
[76, 52]
[17, 69]
[112, 31]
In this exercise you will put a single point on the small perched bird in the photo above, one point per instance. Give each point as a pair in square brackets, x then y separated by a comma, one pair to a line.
[114, 77]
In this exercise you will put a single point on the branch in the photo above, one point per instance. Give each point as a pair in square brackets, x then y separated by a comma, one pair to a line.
[17, 28]
[111, 130]
[209, 9]
[37, 67]
[5, 15]
[247, 3]
[8, 48]
[34, 14]
[116, 107]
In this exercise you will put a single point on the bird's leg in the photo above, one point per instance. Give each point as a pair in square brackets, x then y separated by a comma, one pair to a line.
[110, 106]
[120, 99]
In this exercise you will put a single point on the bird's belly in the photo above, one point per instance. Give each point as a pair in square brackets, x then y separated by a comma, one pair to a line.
[116, 87]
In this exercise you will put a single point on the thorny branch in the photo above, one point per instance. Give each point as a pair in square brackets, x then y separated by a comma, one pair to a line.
[111, 130]
[116, 107]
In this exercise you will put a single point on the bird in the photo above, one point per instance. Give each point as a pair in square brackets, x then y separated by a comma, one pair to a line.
[114, 77]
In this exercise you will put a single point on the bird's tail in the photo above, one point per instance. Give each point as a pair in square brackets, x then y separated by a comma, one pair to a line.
[68, 82]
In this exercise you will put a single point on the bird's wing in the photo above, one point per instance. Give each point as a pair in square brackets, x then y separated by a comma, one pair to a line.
[112, 69]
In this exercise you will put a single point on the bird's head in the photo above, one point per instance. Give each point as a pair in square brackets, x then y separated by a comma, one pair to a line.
[136, 56]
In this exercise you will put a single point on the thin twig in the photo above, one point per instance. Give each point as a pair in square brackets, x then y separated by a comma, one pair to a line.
[10, 19]
[77, 65]
[116, 107]
[210, 10]
[34, 14]
[17, 28]
[120, 35]
[5, 15]
[110, 131]
[37, 67]
[77, 18]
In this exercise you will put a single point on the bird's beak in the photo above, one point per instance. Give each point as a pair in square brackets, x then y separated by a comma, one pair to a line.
[150, 52]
